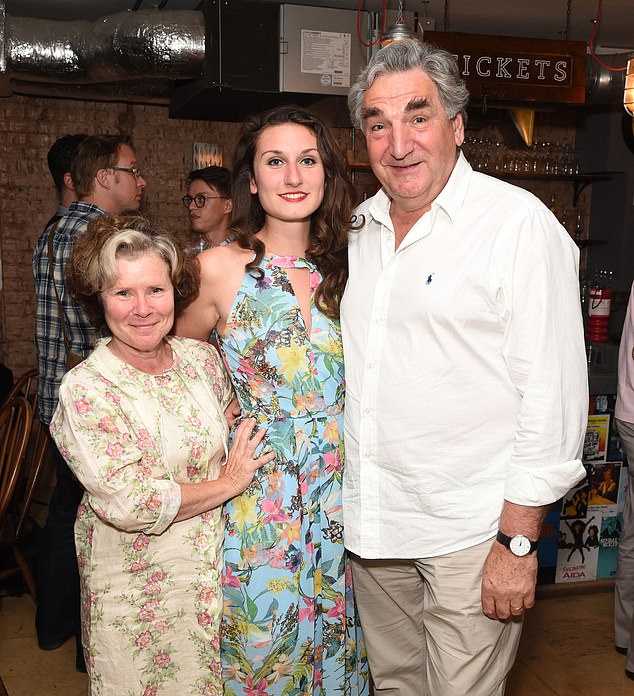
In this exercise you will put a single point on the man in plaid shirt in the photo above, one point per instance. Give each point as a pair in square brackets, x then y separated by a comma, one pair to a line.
[107, 180]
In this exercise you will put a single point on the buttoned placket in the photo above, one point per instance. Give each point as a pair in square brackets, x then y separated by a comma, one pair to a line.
[370, 483]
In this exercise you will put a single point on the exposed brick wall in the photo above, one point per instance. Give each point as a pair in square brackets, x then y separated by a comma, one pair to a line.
[28, 127]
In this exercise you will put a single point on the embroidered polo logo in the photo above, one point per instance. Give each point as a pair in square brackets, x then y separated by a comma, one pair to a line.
[429, 277]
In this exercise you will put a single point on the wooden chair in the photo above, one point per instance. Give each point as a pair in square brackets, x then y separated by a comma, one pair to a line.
[37, 449]
[21, 525]
[25, 386]
[15, 428]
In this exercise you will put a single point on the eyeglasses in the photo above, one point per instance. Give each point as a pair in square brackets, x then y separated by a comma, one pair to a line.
[199, 199]
[131, 170]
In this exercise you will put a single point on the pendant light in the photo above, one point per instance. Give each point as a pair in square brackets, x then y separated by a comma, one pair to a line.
[628, 94]
[399, 30]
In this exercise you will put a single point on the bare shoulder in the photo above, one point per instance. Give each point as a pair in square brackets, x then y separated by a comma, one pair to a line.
[220, 261]
[222, 271]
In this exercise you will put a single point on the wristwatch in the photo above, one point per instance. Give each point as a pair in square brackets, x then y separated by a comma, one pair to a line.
[518, 544]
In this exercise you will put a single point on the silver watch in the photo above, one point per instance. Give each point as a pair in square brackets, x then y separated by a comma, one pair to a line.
[519, 545]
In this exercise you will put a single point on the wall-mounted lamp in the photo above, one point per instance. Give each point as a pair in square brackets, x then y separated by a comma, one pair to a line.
[628, 94]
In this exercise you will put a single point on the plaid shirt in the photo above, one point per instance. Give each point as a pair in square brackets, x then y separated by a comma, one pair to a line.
[49, 339]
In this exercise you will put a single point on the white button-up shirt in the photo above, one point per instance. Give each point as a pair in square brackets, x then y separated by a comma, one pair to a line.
[466, 378]
[624, 409]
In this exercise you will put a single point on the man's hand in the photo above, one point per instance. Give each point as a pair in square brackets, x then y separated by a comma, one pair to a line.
[508, 583]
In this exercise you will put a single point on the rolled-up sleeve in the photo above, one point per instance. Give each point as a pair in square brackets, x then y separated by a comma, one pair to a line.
[544, 351]
[116, 461]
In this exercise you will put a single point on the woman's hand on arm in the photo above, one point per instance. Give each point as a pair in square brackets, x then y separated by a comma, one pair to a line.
[236, 475]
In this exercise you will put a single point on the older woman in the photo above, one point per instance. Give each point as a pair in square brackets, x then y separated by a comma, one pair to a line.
[140, 422]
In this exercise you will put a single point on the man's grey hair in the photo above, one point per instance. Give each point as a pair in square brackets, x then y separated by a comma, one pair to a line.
[411, 54]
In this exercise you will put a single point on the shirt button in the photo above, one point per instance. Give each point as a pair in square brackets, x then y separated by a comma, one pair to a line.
[371, 366]
[367, 411]
[389, 237]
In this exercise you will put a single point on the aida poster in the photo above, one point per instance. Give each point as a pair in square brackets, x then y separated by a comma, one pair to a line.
[578, 549]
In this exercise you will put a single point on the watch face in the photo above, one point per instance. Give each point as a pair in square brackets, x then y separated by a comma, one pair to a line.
[520, 545]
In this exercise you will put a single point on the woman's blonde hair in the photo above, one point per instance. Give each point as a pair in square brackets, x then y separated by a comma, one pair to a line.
[92, 266]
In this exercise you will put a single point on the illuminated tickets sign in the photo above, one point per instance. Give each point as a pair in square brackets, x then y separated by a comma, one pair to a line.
[504, 68]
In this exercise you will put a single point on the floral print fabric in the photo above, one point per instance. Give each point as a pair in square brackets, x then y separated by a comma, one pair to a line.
[151, 587]
[289, 624]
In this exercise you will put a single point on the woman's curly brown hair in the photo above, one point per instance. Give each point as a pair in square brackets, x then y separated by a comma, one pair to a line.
[330, 223]
[92, 266]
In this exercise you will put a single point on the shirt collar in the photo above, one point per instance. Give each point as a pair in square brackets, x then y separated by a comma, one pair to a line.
[86, 207]
[450, 199]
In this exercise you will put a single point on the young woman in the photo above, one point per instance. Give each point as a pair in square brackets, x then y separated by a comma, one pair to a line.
[273, 296]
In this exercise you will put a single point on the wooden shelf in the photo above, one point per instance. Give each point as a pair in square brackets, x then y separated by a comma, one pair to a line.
[360, 166]
[586, 178]
[580, 181]
[582, 243]
[357, 166]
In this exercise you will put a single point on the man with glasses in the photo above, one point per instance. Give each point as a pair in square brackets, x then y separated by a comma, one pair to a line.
[106, 179]
[208, 200]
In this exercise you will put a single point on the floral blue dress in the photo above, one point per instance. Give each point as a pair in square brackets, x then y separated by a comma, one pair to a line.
[289, 624]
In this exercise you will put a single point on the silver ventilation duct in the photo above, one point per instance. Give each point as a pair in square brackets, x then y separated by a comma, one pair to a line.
[121, 48]
[139, 56]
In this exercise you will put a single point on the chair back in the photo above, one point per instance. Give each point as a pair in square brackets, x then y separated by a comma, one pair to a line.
[36, 450]
[25, 386]
[15, 426]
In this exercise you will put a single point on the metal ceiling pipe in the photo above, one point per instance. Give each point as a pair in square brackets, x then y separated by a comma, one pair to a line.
[120, 47]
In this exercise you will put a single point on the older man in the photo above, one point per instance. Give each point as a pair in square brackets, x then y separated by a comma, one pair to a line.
[106, 179]
[466, 393]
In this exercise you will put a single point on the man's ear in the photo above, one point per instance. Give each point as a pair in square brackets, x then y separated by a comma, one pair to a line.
[228, 206]
[102, 177]
[458, 128]
[68, 182]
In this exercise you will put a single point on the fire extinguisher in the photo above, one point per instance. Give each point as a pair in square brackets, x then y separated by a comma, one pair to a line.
[599, 302]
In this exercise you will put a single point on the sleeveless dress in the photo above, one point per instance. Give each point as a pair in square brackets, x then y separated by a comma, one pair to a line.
[289, 624]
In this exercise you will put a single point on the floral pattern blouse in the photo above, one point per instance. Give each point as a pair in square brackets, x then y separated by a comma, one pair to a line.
[151, 592]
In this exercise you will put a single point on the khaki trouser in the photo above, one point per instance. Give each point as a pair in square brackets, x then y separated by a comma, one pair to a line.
[424, 629]
[624, 586]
